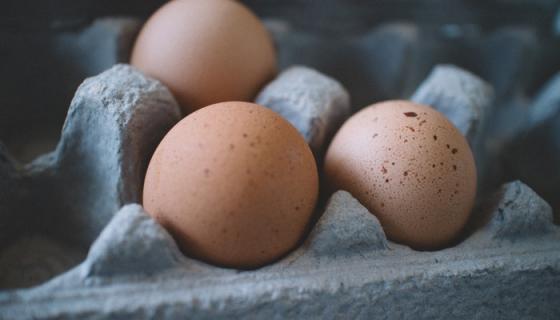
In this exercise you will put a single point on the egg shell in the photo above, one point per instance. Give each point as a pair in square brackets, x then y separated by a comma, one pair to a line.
[206, 51]
[410, 167]
[234, 183]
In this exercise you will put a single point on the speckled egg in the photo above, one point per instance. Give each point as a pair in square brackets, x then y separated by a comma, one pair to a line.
[410, 167]
[234, 183]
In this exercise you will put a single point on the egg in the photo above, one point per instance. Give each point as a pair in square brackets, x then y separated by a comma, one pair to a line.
[234, 183]
[206, 51]
[410, 167]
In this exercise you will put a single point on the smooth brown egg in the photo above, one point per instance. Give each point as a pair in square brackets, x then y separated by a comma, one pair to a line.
[234, 183]
[206, 51]
[410, 167]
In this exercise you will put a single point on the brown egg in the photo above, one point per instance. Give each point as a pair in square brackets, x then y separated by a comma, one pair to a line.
[410, 167]
[234, 183]
[206, 51]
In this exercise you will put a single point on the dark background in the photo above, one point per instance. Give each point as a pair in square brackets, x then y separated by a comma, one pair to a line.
[326, 15]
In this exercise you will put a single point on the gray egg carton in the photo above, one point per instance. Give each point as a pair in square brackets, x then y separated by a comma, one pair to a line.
[95, 254]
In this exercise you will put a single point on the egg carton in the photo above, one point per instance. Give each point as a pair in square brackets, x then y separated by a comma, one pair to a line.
[104, 257]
